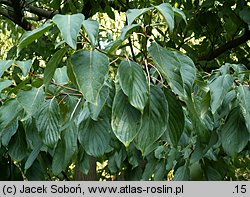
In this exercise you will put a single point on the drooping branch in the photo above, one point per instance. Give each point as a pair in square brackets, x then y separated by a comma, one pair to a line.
[227, 46]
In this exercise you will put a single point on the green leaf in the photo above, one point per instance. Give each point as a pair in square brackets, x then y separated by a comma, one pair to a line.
[187, 70]
[115, 45]
[95, 136]
[54, 61]
[177, 68]
[168, 13]
[18, 146]
[69, 26]
[36, 172]
[32, 134]
[133, 83]
[244, 95]
[160, 171]
[4, 65]
[154, 119]
[213, 174]
[31, 100]
[218, 89]
[61, 76]
[33, 155]
[149, 169]
[102, 98]
[47, 122]
[9, 113]
[90, 69]
[125, 119]
[176, 120]
[8, 131]
[182, 173]
[83, 160]
[133, 14]
[65, 148]
[92, 29]
[128, 30]
[180, 14]
[30, 36]
[5, 84]
[24, 66]
[234, 133]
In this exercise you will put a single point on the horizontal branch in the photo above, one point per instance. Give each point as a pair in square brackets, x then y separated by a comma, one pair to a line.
[227, 46]
[42, 12]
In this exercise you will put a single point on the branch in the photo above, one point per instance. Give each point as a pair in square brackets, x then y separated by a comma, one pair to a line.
[227, 46]
[15, 14]
[42, 12]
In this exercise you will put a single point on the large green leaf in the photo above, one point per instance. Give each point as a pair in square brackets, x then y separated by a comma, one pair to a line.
[177, 68]
[31, 100]
[24, 66]
[133, 83]
[54, 61]
[244, 98]
[132, 14]
[176, 118]
[218, 89]
[30, 36]
[168, 13]
[126, 120]
[95, 136]
[154, 119]
[4, 65]
[234, 133]
[47, 122]
[92, 29]
[9, 113]
[69, 26]
[4, 84]
[17, 148]
[90, 69]
[65, 148]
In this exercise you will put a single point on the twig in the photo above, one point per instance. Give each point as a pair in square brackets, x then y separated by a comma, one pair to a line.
[157, 71]
[65, 87]
[148, 74]
[131, 49]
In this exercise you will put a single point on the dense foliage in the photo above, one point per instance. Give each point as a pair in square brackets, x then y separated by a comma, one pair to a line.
[125, 90]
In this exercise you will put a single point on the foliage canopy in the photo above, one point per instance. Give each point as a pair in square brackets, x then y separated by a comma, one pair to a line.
[146, 89]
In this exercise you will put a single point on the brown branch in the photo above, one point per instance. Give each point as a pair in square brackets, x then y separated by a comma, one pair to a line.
[227, 46]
